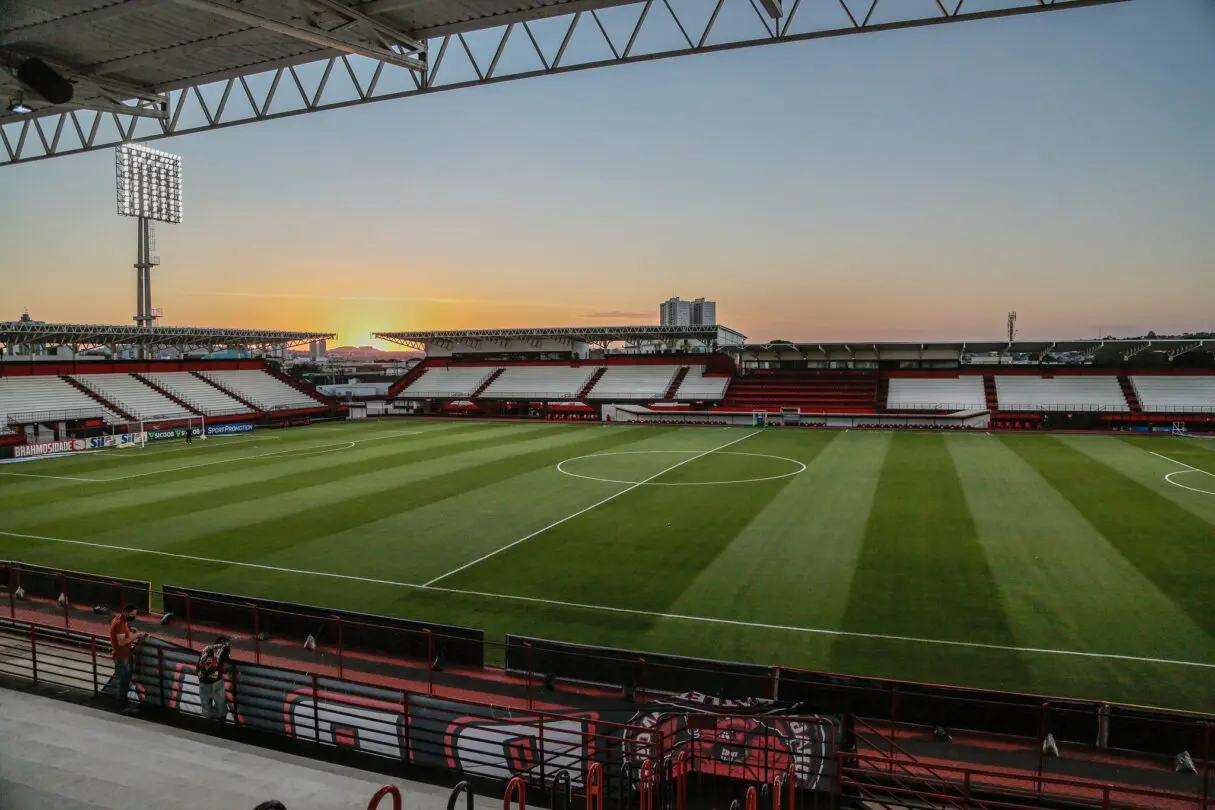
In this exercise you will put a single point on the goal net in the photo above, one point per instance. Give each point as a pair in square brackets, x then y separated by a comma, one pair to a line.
[178, 427]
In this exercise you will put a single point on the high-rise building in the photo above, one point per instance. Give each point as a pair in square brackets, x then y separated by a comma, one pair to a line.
[698, 312]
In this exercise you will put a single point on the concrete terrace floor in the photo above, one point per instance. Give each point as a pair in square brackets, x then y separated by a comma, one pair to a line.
[65, 756]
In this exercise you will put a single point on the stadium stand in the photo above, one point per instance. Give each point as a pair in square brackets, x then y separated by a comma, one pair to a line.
[442, 382]
[261, 389]
[696, 386]
[46, 394]
[1017, 392]
[828, 392]
[539, 382]
[935, 394]
[1166, 394]
[634, 382]
[198, 394]
[132, 396]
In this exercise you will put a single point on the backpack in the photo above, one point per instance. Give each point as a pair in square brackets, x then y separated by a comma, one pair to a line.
[208, 664]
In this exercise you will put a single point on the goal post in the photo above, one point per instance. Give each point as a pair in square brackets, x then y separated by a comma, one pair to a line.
[174, 427]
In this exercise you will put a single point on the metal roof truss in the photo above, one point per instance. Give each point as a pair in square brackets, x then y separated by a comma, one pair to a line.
[384, 63]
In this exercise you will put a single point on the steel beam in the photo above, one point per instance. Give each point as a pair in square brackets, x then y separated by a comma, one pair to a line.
[25, 138]
[313, 36]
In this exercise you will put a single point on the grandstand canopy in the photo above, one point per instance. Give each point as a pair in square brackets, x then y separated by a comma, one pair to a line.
[565, 339]
[1102, 351]
[35, 337]
[77, 75]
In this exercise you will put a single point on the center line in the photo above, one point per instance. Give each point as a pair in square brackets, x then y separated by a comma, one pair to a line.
[595, 505]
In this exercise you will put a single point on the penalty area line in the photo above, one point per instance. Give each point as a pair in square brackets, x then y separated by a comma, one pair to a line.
[819, 631]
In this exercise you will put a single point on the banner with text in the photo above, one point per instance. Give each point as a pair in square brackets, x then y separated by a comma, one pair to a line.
[78, 445]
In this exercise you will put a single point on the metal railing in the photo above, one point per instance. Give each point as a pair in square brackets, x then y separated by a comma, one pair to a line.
[349, 677]
[57, 415]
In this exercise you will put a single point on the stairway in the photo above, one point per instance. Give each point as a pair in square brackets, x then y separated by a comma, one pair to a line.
[397, 387]
[72, 381]
[883, 395]
[586, 389]
[676, 381]
[250, 405]
[1128, 391]
[498, 372]
[166, 394]
[989, 393]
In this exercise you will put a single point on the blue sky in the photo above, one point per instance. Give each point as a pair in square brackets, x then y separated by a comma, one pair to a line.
[904, 185]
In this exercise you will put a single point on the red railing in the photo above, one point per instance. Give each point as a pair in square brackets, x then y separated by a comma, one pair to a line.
[58, 653]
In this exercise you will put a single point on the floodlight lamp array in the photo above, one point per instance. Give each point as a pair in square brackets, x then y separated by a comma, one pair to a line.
[148, 182]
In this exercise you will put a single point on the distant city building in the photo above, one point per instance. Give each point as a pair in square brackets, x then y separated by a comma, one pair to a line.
[698, 312]
[317, 349]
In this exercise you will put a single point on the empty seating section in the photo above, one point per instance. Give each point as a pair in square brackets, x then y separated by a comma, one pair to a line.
[634, 382]
[261, 389]
[198, 394]
[460, 381]
[1079, 393]
[540, 382]
[936, 394]
[696, 386]
[1164, 394]
[48, 395]
[811, 391]
[132, 395]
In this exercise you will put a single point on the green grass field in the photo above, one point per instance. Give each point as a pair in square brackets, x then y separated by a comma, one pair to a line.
[1060, 564]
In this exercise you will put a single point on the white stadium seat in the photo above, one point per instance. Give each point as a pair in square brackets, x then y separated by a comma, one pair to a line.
[634, 382]
[540, 382]
[139, 400]
[1165, 394]
[45, 394]
[1072, 393]
[268, 393]
[696, 386]
[441, 383]
[936, 394]
[198, 394]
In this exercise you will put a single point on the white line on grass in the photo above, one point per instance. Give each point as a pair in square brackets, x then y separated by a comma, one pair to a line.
[288, 453]
[595, 505]
[55, 477]
[1188, 469]
[820, 631]
[1175, 461]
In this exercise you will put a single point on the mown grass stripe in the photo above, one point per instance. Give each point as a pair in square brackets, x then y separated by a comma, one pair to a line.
[1163, 540]
[1064, 586]
[107, 512]
[361, 507]
[644, 550]
[922, 573]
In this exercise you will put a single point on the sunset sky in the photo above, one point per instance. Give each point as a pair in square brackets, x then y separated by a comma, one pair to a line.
[906, 185]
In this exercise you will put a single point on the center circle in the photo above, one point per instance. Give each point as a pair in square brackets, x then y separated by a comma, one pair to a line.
[800, 468]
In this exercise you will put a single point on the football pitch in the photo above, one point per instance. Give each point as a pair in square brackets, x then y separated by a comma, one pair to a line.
[1072, 565]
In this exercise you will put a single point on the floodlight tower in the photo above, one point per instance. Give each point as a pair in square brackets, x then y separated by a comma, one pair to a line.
[149, 188]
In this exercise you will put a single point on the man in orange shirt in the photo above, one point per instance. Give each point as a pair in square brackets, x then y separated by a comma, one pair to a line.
[122, 644]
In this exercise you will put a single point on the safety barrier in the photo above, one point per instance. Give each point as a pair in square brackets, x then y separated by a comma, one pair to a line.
[327, 713]
[1127, 736]
[340, 628]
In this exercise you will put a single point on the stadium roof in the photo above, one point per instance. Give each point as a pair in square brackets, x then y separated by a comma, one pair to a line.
[1103, 350]
[81, 336]
[521, 339]
[94, 73]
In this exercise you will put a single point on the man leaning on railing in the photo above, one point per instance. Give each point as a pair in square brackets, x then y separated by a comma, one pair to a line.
[123, 640]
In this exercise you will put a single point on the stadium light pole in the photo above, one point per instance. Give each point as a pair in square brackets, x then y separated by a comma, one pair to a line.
[148, 184]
